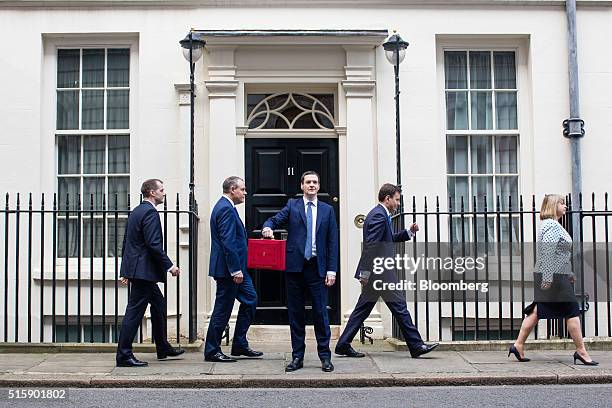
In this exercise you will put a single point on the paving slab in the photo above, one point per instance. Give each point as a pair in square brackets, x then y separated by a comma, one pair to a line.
[436, 362]
[250, 366]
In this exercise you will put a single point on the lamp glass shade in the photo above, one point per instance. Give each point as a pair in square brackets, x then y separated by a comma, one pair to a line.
[196, 54]
[390, 55]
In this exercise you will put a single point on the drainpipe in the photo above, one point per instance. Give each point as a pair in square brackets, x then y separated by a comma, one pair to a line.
[573, 127]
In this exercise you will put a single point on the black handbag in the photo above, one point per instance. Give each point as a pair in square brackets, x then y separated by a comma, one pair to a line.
[529, 309]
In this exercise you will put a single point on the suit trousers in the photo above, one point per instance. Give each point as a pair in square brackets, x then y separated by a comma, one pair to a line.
[362, 311]
[297, 286]
[143, 293]
[227, 292]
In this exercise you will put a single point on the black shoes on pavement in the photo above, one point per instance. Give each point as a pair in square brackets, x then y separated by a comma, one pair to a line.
[423, 349]
[348, 351]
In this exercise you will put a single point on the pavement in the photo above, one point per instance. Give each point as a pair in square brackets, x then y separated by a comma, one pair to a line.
[383, 366]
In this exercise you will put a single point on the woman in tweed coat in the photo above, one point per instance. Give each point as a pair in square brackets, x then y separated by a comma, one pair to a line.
[553, 282]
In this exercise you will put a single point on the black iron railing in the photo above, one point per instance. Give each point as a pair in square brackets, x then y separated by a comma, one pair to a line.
[503, 233]
[61, 263]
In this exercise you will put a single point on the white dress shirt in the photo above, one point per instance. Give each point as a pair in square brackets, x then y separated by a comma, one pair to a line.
[315, 204]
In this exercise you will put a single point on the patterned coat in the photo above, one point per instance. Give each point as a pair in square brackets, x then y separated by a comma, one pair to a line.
[554, 250]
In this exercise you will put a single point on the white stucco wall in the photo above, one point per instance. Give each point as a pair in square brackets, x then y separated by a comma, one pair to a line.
[159, 142]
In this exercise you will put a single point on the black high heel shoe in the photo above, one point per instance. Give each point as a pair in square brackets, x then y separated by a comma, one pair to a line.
[588, 363]
[516, 353]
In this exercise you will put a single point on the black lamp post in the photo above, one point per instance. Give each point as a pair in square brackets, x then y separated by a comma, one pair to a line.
[192, 51]
[395, 51]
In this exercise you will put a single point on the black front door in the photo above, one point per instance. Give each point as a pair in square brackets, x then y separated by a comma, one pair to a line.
[273, 171]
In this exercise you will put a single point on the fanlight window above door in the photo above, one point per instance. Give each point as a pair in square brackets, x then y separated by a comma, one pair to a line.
[290, 111]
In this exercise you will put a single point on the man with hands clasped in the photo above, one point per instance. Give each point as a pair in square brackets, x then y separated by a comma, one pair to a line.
[143, 264]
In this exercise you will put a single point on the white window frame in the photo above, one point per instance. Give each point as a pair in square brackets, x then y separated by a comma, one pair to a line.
[51, 44]
[493, 133]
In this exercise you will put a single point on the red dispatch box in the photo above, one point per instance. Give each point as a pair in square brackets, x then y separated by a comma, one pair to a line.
[267, 254]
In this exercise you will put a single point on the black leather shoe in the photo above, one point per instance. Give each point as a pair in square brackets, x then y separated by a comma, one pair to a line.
[172, 352]
[327, 366]
[219, 358]
[423, 349]
[247, 352]
[348, 351]
[296, 364]
[131, 362]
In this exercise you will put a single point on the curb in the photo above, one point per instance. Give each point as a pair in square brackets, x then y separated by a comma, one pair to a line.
[291, 381]
[591, 343]
[29, 348]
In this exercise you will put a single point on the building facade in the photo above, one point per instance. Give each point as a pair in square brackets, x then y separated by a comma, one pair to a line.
[95, 99]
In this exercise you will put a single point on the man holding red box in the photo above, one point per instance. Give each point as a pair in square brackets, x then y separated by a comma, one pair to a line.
[311, 264]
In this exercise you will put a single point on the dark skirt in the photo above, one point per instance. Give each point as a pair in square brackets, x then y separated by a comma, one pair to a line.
[557, 302]
[558, 310]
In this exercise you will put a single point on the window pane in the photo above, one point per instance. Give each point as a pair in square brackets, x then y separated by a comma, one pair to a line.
[505, 104]
[69, 154]
[93, 68]
[328, 101]
[505, 70]
[481, 150]
[68, 189]
[480, 69]
[456, 111]
[118, 67]
[93, 110]
[98, 237]
[460, 232]
[67, 110]
[94, 154]
[253, 100]
[457, 154]
[455, 69]
[507, 190]
[324, 121]
[67, 237]
[116, 231]
[119, 154]
[118, 190]
[93, 187]
[506, 154]
[482, 110]
[483, 187]
[509, 229]
[485, 231]
[118, 109]
[68, 68]
[458, 189]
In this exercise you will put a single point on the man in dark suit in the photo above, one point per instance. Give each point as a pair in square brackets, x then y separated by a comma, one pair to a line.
[143, 264]
[228, 266]
[312, 261]
[377, 229]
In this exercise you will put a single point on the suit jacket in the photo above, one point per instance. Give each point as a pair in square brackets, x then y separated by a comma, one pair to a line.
[228, 241]
[294, 216]
[376, 229]
[143, 255]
